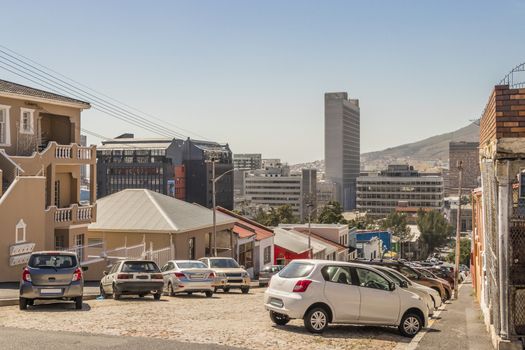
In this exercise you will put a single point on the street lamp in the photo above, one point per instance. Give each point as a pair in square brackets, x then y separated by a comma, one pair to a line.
[214, 179]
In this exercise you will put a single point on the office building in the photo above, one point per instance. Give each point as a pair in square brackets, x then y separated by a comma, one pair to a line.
[399, 188]
[308, 193]
[247, 161]
[342, 146]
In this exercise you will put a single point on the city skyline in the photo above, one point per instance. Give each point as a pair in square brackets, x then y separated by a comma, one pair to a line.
[220, 71]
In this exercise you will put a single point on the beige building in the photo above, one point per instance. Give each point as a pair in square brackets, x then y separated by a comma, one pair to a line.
[40, 175]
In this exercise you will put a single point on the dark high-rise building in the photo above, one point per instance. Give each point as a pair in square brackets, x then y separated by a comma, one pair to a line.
[342, 145]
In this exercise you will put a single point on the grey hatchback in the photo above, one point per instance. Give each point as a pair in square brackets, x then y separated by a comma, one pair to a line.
[52, 275]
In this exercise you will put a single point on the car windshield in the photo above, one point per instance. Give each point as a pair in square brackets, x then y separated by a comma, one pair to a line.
[296, 270]
[426, 273]
[224, 264]
[139, 266]
[191, 265]
[56, 261]
[393, 276]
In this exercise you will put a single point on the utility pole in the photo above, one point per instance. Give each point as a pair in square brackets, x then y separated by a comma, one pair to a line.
[213, 206]
[458, 231]
[309, 230]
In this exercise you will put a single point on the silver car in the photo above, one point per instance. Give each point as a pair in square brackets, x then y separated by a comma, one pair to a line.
[188, 276]
[132, 277]
[52, 275]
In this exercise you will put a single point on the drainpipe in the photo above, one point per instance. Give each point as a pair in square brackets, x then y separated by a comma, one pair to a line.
[504, 203]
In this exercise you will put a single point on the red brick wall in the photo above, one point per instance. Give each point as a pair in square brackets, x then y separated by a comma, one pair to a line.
[504, 115]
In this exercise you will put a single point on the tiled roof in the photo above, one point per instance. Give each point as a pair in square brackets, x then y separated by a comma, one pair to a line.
[261, 231]
[26, 91]
[243, 231]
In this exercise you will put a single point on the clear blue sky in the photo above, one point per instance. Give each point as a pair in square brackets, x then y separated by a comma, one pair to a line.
[254, 73]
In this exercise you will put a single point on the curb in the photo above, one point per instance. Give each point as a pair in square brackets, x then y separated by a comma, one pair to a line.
[14, 301]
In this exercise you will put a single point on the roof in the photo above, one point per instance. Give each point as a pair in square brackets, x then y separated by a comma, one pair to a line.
[13, 90]
[243, 231]
[133, 143]
[141, 210]
[261, 231]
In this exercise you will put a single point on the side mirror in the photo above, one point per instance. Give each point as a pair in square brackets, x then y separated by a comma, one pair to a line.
[403, 284]
[392, 286]
[105, 273]
[84, 268]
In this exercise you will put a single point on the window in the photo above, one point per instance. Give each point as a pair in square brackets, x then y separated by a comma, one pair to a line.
[191, 248]
[246, 255]
[26, 121]
[267, 254]
[337, 274]
[296, 270]
[4, 126]
[370, 279]
[139, 266]
[20, 232]
[411, 274]
[57, 193]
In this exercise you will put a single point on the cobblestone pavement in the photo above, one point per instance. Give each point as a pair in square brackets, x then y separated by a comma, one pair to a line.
[231, 319]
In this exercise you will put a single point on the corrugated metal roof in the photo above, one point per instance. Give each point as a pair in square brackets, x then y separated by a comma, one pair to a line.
[144, 210]
[22, 90]
[295, 241]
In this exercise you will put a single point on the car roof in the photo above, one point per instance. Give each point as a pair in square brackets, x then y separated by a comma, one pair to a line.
[57, 252]
[184, 261]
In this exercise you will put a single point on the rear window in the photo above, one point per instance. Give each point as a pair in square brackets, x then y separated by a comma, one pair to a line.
[191, 265]
[140, 266]
[56, 261]
[296, 270]
[224, 264]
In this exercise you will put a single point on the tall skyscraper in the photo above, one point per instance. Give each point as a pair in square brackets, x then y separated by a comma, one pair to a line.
[342, 145]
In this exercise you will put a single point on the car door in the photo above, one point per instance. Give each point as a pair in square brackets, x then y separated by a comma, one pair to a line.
[342, 294]
[379, 304]
[107, 280]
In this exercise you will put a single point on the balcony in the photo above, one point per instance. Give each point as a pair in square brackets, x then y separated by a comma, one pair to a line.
[73, 215]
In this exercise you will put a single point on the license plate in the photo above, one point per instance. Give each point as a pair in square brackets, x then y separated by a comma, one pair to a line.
[51, 291]
[276, 302]
[142, 277]
[196, 276]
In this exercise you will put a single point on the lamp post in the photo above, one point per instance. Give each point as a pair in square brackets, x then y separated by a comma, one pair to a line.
[214, 180]
[458, 231]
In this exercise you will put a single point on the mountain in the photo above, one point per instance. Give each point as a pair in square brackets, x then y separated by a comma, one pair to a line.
[426, 155]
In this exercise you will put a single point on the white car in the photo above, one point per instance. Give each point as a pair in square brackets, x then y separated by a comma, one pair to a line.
[429, 296]
[322, 292]
[188, 276]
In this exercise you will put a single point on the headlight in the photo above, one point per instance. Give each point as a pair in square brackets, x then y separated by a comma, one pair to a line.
[245, 274]
[221, 274]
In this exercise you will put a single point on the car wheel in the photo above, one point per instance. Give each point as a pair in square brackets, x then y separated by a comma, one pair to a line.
[102, 292]
[215, 290]
[226, 290]
[22, 303]
[78, 303]
[30, 302]
[245, 290]
[316, 320]
[190, 293]
[157, 296]
[141, 295]
[171, 293]
[410, 325]
[279, 319]
[209, 294]
[116, 295]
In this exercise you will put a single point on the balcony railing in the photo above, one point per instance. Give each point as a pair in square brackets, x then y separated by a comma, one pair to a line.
[74, 214]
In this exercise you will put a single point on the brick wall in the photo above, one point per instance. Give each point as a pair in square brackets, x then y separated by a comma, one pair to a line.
[504, 115]
[468, 153]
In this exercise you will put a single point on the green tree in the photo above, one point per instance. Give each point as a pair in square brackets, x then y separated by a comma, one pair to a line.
[364, 222]
[464, 252]
[274, 217]
[396, 223]
[332, 213]
[434, 229]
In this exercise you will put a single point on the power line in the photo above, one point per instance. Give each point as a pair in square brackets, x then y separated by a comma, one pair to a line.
[159, 129]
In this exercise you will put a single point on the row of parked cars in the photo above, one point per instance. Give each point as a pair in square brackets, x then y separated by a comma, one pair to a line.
[370, 292]
[58, 275]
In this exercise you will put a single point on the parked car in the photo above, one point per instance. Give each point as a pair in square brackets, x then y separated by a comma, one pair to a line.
[266, 274]
[188, 276]
[52, 275]
[413, 275]
[403, 282]
[132, 277]
[428, 273]
[236, 276]
[322, 292]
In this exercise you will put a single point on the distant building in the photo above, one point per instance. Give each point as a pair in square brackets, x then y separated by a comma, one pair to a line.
[337, 233]
[247, 161]
[342, 146]
[326, 192]
[400, 188]
[468, 153]
[367, 235]
[308, 192]
[451, 213]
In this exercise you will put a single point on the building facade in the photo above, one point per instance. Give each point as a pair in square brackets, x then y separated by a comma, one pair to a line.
[342, 146]
[468, 153]
[400, 188]
[247, 161]
[308, 193]
[40, 176]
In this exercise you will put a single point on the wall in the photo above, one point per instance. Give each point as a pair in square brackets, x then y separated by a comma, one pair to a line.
[280, 252]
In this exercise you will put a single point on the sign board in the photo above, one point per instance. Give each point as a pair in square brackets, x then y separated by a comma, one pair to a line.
[19, 259]
[22, 248]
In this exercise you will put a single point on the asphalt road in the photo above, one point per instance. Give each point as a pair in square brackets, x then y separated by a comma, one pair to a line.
[16, 339]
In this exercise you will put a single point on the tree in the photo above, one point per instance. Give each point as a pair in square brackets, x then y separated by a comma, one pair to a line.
[396, 223]
[364, 222]
[464, 252]
[274, 217]
[434, 229]
[332, 213]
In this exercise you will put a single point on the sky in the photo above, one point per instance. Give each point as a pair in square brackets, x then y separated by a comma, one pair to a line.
[254, 73]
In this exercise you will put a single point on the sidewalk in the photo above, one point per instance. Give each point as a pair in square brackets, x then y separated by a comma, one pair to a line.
[459, 326]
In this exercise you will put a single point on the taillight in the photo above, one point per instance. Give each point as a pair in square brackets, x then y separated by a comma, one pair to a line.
[77, 275]
[156, 276]
[26, 277]
[179, 275]
[301, 286]
[124, 276]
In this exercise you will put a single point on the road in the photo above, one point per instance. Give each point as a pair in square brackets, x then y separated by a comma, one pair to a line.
[27, 339]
